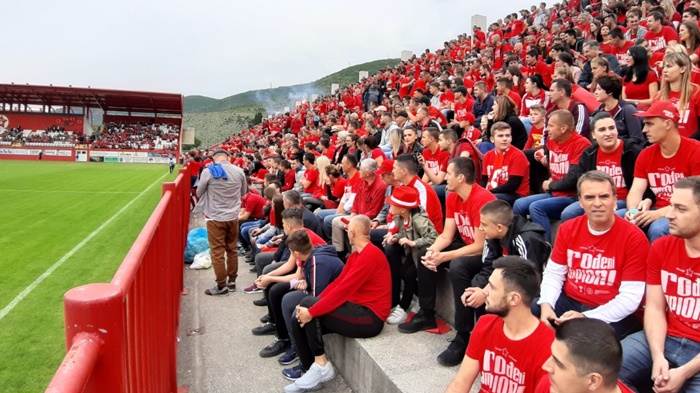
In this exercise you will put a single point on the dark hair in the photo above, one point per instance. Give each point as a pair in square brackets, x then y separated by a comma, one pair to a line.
[641, 68]
[519, 275]
[299, 241]
[690, 183]
[657, 16]
[566, 58]
[464, 166]
[294, 214]
[310, 157]
[500, 210]
[450, 134]
[611, 85]
[407, 162]
[600, 116]
[617, 33]
[537, 80]
[593, 347]
[352, 159]
[278, 207]
[563, 84]
[692, 11]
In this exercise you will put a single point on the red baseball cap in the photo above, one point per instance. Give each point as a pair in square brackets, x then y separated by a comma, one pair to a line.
[662, 109]
[386, 167]
[404, 196]
[469, 117]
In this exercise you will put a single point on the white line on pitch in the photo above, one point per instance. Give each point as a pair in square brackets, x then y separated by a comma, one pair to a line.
[69, 254]
[70, 191]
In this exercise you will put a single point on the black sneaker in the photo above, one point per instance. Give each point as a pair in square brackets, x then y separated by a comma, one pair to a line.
[454, 354]
[274, 349]
[265, 318]
[264, 330]
[419, 322]
[262, 302]
[231, 286]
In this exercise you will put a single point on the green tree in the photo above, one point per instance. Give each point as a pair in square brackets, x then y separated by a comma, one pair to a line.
[257, 119]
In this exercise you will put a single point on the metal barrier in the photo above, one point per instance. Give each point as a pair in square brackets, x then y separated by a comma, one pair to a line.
[122, 336]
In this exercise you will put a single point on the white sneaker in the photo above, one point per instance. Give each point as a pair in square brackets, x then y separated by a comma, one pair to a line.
[293, 388]
[316, 375]
[397, 316]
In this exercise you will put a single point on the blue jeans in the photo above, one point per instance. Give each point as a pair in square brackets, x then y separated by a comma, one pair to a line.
[637, 362]
[486, 147]
[574, 210]
[542, 209]
[655, 230]
[623, 328]
[327, 216]
[510, 198]
[244, 231]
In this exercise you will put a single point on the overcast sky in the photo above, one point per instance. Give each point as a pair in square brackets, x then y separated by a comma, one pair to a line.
[218, 48]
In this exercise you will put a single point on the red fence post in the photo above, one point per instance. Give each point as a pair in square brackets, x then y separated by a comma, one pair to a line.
[98, 310]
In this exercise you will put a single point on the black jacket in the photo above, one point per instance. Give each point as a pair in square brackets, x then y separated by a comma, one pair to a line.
[517, 130]
[524, 239]
[588, 161]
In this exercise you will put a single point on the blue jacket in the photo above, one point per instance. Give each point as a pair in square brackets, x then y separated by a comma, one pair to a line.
[321, 268]
[481, 108]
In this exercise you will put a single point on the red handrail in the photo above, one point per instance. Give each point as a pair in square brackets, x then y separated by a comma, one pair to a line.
[122, 336]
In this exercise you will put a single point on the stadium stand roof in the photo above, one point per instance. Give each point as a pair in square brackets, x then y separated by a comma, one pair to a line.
[108, 100]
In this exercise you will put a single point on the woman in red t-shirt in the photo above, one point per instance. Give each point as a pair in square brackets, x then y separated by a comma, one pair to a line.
[689, 35]
[676, 87]
[640, 83]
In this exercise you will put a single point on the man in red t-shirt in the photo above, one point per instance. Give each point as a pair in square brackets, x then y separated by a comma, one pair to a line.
[597, 267]
[586, 357]
[659, 36]
[670, 157]
[667, 352]
[510, 345]
[433, 159]
[289, 175]
[565, 146]
[460, 247]
[535, 66]
[310, 178]
[406, 172]
[462, 105]
[506, 169]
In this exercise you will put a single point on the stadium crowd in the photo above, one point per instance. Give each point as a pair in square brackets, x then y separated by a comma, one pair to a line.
[584, 113]
[114, 135]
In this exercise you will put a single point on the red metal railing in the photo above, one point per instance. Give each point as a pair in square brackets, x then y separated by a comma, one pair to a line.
[122, 336]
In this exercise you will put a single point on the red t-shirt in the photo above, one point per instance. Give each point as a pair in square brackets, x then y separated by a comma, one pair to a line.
[461, 109]
[472, 134]
[311, 175]
[529, 100]
[659, 42]
[620, 53]
[376, 153]
[467, 214]
[254, 204]
[447, 97]
[611, 163]
[289, 180]
[514, 163]
[598, 264]
[640, 91]
[542, 69]
[429, 200]
[509, 365]
[562, 156]
[662, 173]
[436, 162]
[688, 123]
[670, 266]
[534, 140]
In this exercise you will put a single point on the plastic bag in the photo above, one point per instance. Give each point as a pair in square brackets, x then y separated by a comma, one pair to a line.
[197, 242]
[201, 261]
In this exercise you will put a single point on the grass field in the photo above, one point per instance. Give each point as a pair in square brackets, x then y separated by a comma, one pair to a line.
[47, 209]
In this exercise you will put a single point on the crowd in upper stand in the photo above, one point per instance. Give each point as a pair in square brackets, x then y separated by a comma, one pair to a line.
[585, 113]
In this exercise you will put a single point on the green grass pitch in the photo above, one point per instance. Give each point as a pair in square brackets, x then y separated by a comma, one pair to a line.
[46, 209]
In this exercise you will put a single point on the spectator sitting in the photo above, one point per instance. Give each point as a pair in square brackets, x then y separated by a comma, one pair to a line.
[597, 267]
[355, 305]
[506, 169]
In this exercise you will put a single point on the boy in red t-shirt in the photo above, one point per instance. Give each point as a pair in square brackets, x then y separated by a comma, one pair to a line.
[509, 346]
[506, 169]
[537, 115]
[597, 267]
[672, 312]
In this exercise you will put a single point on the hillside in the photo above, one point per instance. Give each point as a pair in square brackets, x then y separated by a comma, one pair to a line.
[274, 100]
[214, 119]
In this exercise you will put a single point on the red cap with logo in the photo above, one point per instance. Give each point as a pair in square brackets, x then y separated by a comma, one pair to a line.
[662, 109]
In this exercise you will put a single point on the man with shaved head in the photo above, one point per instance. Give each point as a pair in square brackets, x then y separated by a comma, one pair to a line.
[355, 305]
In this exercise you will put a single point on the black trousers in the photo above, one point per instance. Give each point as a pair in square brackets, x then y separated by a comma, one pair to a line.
[349, 320]
[275, 292]
[461, 272]
[403, 267]
[538, 172]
